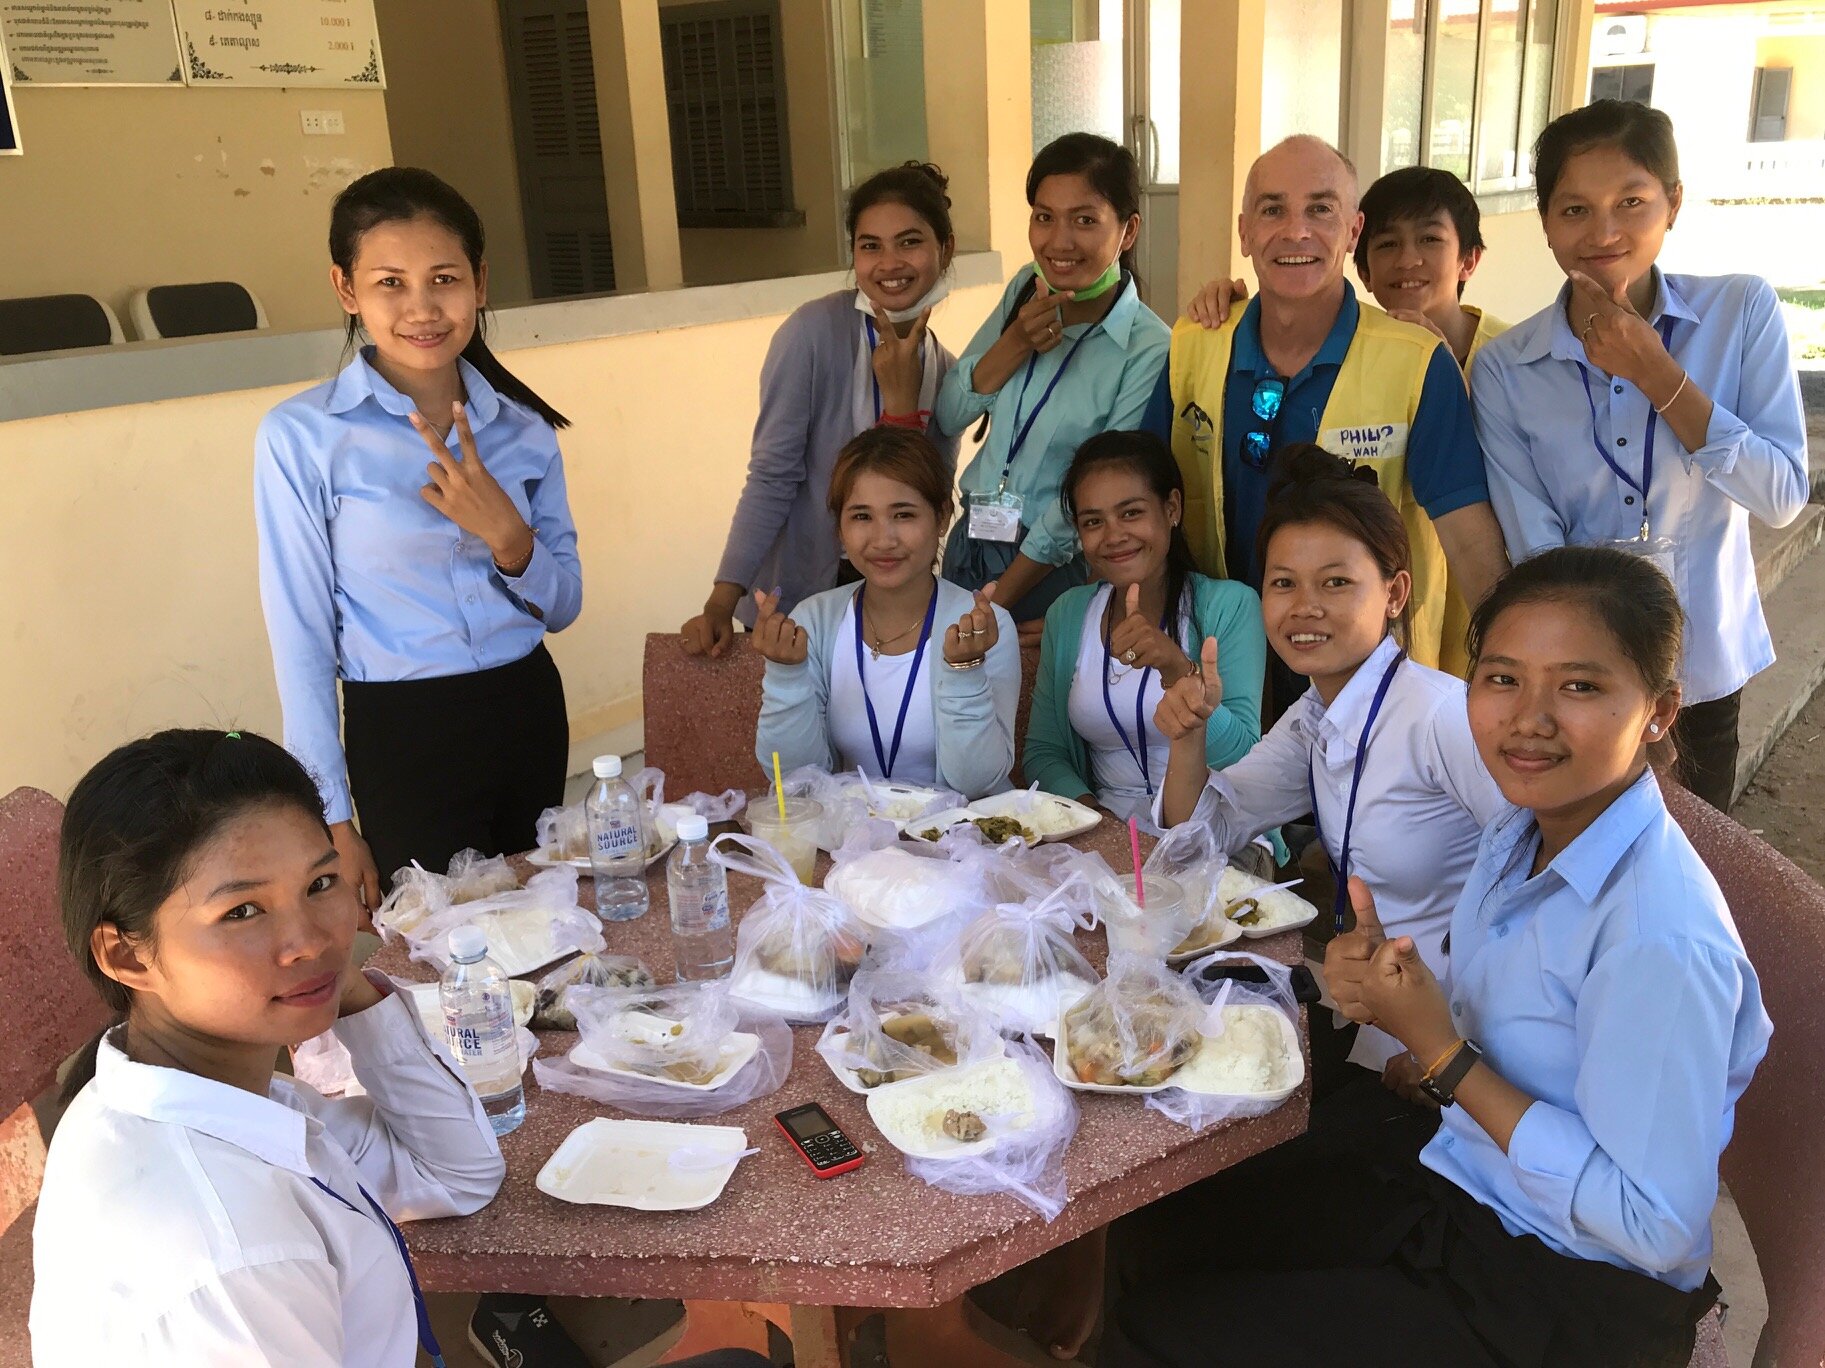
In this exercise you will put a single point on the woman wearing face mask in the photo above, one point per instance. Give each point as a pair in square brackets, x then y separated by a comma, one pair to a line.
[1069, 352]
[839, 365]
[904, 676]
[1113, 647]
[1647, 411]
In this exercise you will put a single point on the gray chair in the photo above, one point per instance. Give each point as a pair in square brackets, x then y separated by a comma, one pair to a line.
[216, 306]
[43, 323]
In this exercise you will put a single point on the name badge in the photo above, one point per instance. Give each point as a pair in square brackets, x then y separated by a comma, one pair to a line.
[1372, 443]
[995, 517]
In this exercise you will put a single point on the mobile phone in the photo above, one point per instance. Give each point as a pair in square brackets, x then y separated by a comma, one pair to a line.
[1303, 983]
[816, 1137]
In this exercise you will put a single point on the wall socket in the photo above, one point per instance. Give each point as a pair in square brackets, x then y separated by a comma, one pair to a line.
[321, 122]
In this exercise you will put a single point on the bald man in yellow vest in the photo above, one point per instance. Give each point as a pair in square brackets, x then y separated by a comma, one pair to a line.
[1306, 362]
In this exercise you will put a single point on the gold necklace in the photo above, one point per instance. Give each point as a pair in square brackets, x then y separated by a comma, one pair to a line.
[880, 642]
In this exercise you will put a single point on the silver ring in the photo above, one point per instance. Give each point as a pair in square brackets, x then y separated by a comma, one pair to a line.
[1127, 657]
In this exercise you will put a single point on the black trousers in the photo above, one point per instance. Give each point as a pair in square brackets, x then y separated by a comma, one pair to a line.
[1704, 734]
[1341, 1249]
[440, 765]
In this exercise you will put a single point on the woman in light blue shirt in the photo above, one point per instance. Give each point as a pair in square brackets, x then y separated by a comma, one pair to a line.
[904, 676]
[1650, 411]
[1599, 1022]
[416, 545]
[1069, 352]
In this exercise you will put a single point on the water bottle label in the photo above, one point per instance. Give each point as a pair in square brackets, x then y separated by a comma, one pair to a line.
[484, 1043]
[716, 909]
[616, 838]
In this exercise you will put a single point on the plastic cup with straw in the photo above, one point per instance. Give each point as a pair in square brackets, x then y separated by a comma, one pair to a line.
[1134, 847]
[794, 831]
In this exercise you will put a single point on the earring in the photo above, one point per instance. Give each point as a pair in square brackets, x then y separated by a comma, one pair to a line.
[1654, 729]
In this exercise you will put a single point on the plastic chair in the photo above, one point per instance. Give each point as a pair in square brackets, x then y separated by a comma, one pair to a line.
[1777, 1155]
[48, 1011]
[216, 306]
[701, 715]
[44, 323]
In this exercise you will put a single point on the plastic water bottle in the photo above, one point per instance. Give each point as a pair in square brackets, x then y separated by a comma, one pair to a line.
[698, 890]
[617, 844]
[478, 1024]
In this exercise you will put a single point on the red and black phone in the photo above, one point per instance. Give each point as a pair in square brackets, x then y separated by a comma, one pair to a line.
[817, 1138]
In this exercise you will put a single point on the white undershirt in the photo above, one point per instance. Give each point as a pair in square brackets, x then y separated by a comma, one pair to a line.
[1120, 786]
[917, 762]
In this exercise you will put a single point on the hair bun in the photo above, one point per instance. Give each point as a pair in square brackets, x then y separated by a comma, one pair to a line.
[1307, 463]
[932, 172]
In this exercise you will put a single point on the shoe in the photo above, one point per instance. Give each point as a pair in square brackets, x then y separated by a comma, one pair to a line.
[512, 1331]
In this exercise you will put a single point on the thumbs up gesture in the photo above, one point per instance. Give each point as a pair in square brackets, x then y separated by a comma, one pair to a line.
[1399, 993]
[1347, 957]
[1137, 642]
[1188, 703]
[974, 634]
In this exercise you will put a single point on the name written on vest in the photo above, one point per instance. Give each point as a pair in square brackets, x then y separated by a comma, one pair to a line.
[1377, 442]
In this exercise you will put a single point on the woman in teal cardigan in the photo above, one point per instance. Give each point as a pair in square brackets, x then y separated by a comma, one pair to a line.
[1113, 647]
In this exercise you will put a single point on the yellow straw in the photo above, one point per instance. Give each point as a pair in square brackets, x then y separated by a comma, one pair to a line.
[779, 789]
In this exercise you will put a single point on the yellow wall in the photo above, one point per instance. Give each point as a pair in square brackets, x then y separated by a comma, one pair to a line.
[127, 541]
[447, 111]
[126, 188]
[1805, 55]
[1518, 276]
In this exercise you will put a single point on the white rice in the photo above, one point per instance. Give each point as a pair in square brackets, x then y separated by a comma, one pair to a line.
[1250, 1056]
[911, 1114]
[1277, 908]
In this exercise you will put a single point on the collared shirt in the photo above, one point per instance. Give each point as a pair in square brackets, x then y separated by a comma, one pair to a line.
[1444, 465]
[361, 579]
[179, 1223]
[1550, 488]
[1612, 988]
[1424, 801]
[1112, 375]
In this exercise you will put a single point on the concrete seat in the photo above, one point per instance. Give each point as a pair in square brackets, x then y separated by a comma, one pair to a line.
[48, 1011]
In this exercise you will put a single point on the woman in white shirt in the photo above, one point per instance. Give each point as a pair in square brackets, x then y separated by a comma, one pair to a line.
[1378, 749]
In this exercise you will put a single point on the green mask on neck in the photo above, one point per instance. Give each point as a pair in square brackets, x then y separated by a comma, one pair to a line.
[1095, 289]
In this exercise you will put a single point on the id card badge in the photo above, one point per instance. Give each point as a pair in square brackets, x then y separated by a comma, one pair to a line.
[995, 517]
[1660, 552]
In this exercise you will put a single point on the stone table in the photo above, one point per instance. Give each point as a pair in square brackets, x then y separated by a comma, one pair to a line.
[874, 1237]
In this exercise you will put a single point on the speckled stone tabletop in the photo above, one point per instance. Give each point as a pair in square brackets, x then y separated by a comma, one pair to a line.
[873, 1237]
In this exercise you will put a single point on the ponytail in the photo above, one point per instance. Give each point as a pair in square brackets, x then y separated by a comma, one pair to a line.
[505, 382]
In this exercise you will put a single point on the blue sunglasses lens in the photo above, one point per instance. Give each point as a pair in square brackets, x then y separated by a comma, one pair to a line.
[1266, 399]
[1254, 448]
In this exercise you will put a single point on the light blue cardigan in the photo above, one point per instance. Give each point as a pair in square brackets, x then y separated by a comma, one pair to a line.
[1055, 756]
[973, 710]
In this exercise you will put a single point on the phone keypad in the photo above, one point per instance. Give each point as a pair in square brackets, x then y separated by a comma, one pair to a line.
[830, 1149]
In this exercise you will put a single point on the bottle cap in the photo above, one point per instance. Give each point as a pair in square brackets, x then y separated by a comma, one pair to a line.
[468, 944]
[608, 767]
[692, 827]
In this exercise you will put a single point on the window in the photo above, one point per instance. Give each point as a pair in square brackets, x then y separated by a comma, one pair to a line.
[881, 83]
[725, 91]
[1632, 82]
[1768, 104]
[1467, 87]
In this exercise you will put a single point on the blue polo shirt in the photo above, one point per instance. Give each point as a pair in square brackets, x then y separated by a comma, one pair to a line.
[1444, 462]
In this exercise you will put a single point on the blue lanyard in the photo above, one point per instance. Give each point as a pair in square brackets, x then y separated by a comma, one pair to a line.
[1140, 757]
[1647, 442]
[873, 342]
[1340, 867]
[887, 759]
[1020, 430]
[427, 1338]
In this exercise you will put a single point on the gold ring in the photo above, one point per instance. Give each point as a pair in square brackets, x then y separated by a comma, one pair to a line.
[1127, 657]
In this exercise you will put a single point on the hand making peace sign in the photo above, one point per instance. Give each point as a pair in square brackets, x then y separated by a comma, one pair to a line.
[899, 362]
[463, 490]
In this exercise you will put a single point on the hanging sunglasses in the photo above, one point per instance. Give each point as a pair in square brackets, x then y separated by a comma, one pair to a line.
[1270, 393]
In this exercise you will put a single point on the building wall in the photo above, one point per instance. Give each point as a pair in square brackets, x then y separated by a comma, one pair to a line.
[121, 189]
[447, 111]
[129, 533]
[1804, 54]
[1518, 276]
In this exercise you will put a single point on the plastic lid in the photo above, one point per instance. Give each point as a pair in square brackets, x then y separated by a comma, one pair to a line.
[468, 944]
[608, 767]
[692, 827]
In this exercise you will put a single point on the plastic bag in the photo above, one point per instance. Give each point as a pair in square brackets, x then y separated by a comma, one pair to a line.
[796, 948]
[418, 893]
[1019, 963]
[551, 1010]
[563, 832]
[713, 808]
[1243, 1049]
[891, 886]
[899, 1025]
[1136, 1029]
[1026, 1161]
[1191, 857]
[678, 1032]
[761, 1076]
[848, 800]
[526, 928]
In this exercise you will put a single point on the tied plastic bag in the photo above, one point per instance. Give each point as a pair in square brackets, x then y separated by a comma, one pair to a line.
[1190, 856]
[419, 893]
[679, 1033]
[796, 948]
[551, 1005]
[526, 927]
[1136, 1029]
[912, 899]
[1027, 1133]
[899, 1025]
[1019, 963]
[848, 800]
[764, 1036]
[1250, 1060]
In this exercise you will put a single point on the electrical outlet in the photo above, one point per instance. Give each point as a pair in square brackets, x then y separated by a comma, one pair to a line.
[332, 122]
[321, 122]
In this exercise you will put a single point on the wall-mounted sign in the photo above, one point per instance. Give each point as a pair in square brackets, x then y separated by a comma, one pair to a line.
[280, 43]
[91, 42]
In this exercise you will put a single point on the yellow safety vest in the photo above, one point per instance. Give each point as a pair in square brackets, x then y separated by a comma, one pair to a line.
[1454, 655]
[1366, 420]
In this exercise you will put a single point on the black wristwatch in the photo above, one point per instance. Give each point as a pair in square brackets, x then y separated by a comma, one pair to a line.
[1443, 1089]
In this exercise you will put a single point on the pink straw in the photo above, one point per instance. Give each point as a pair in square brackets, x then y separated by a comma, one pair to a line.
[1134, 844]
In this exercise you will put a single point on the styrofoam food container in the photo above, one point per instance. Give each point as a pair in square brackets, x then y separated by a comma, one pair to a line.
[934, 1092]
[737, 1049]
[627, 1163]
[1061, 1067]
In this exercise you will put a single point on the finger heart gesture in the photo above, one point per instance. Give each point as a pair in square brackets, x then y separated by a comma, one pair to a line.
[1039, 320]
[776, 636]
[464, 491]
[975, 633]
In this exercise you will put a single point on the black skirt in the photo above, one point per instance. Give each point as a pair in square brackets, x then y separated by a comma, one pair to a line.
[470, 760]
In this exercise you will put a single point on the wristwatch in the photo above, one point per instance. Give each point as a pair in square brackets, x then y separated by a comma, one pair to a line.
[1443, 1089]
